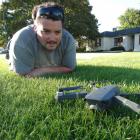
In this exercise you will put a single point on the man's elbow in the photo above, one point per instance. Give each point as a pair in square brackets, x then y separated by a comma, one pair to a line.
[21, 73]
[72, 69]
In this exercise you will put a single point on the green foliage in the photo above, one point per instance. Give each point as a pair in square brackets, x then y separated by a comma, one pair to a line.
[130, 19]
[29, 111]
[15, 14]
[80, 20]
[119, 48]
[81, 49]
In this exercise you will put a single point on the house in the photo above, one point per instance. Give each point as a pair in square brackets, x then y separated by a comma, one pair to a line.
[127, 38]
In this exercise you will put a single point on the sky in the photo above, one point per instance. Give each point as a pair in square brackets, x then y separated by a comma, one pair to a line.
[1, 1]
[108, 11]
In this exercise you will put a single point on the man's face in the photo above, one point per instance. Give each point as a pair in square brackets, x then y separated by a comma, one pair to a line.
[49, 33]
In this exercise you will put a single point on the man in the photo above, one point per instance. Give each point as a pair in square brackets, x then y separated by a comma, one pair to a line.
[44, 47]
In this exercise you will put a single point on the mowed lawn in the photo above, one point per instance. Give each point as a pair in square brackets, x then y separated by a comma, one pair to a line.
[28, 110]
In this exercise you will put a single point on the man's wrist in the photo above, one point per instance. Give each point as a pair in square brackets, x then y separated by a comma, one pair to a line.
[42, 71]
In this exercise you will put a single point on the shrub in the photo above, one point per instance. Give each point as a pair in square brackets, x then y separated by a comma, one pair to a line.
[99, 50]
[81, 49]
[119, 48]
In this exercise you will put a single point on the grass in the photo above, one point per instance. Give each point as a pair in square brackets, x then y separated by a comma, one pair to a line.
[29, 111]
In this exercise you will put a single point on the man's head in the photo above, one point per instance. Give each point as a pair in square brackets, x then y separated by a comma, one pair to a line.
[48, 22]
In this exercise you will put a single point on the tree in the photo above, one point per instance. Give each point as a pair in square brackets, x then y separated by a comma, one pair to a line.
[78, 18]
[14, 14]
[130, 19]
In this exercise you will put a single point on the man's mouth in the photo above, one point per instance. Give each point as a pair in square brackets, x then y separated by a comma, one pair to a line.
[51, 42]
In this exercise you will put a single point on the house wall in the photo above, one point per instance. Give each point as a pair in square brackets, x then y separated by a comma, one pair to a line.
[136, 42]
[107, 43]
[127, 43]
[130, 42]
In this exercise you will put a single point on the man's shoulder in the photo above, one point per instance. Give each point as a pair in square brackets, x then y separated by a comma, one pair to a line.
[24, 38]
[66, 33]
[67, 37]
[24, 33]
[68, 41]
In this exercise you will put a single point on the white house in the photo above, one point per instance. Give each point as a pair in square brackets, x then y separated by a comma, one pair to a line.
[127, 38]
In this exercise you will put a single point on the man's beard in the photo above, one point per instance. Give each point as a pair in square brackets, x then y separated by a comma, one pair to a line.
[51, 45]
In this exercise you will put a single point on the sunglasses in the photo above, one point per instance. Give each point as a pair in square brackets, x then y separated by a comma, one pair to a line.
[55, 13]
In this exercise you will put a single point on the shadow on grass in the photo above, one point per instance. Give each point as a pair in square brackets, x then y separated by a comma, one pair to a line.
[102, 74]
[99, 74]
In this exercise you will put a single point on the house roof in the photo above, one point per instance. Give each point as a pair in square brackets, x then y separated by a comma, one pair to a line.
[129, 31]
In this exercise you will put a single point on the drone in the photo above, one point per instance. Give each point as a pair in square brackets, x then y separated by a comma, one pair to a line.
[99, 98]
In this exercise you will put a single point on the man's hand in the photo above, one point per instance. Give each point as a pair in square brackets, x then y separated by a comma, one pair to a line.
[42, 71]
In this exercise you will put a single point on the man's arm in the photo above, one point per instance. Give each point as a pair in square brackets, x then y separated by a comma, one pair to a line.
[48, 70]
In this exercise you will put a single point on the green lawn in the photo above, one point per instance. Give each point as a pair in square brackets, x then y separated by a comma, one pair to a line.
[28, 110]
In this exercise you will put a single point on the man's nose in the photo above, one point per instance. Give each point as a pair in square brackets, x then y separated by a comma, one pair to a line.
[52, 36]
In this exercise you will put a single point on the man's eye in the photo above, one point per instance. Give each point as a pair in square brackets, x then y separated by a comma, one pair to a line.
[46, 31]
[57, 32]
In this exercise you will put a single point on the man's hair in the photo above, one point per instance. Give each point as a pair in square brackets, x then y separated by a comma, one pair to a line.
[46, 4]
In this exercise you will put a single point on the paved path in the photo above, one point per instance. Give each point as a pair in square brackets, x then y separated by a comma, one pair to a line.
[92, 55]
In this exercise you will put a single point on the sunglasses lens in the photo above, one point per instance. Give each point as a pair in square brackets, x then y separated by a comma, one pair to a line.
[56, 13]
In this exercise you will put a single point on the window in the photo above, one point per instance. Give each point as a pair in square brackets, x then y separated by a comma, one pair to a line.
[139, 39]
[118, 41]
[98, 42]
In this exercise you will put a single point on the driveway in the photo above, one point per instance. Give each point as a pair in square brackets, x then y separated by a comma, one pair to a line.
[93, 55]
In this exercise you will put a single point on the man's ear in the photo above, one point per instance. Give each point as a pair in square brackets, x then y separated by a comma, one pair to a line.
[35, 25]
[35, 28]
